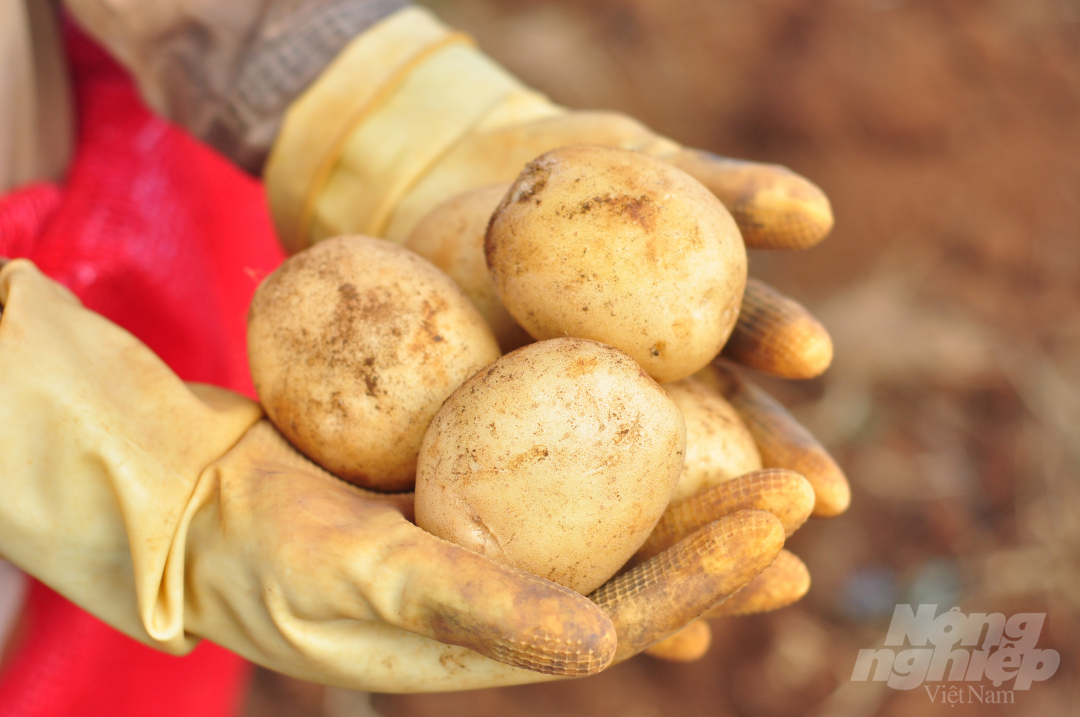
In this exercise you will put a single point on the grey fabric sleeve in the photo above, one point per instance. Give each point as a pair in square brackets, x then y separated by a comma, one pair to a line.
[278, 67]
[228, 69]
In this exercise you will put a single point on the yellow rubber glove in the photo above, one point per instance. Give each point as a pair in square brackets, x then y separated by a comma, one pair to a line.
[176, 512]
[411, 114]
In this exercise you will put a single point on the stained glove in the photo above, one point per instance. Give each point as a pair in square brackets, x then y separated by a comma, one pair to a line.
[176, 512]
[410, 113]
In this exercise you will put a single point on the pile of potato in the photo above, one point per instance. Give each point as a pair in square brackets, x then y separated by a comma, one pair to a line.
[609, 276]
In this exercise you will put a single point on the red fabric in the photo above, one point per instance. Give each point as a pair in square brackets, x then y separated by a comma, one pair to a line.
[167, 239]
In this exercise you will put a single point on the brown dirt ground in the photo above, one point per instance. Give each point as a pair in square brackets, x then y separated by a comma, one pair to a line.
[947, 135]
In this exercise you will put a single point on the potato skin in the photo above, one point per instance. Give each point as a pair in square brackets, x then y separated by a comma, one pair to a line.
[558, 459]
[619, 247]
[719, 446]
[451, 237]
[353, 346]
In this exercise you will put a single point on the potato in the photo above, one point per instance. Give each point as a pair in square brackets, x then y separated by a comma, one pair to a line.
[558, 459]
[353, 345]
[451, 237]
[719, 446]
[615, 246]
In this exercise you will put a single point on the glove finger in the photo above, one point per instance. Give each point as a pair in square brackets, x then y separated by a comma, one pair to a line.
[660, 596]
[687, 645]
[782, 441]
[774, 207]
[784, 493]
[778, 335]
[458, 597]
[362, 561]
[779, 585]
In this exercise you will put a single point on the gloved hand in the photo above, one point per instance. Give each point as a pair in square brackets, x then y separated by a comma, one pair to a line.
[175, 511]
[411, 114]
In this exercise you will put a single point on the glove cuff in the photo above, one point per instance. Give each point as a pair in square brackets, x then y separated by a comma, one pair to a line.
[101, 451]
[391, 104]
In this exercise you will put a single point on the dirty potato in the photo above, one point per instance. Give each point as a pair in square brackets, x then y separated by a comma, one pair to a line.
[619, 247]
[558, 459]
[353, 345]
[719, 446]
[451, 237]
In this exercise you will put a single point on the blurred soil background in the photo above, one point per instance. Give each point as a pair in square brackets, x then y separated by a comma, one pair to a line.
[947, 134]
